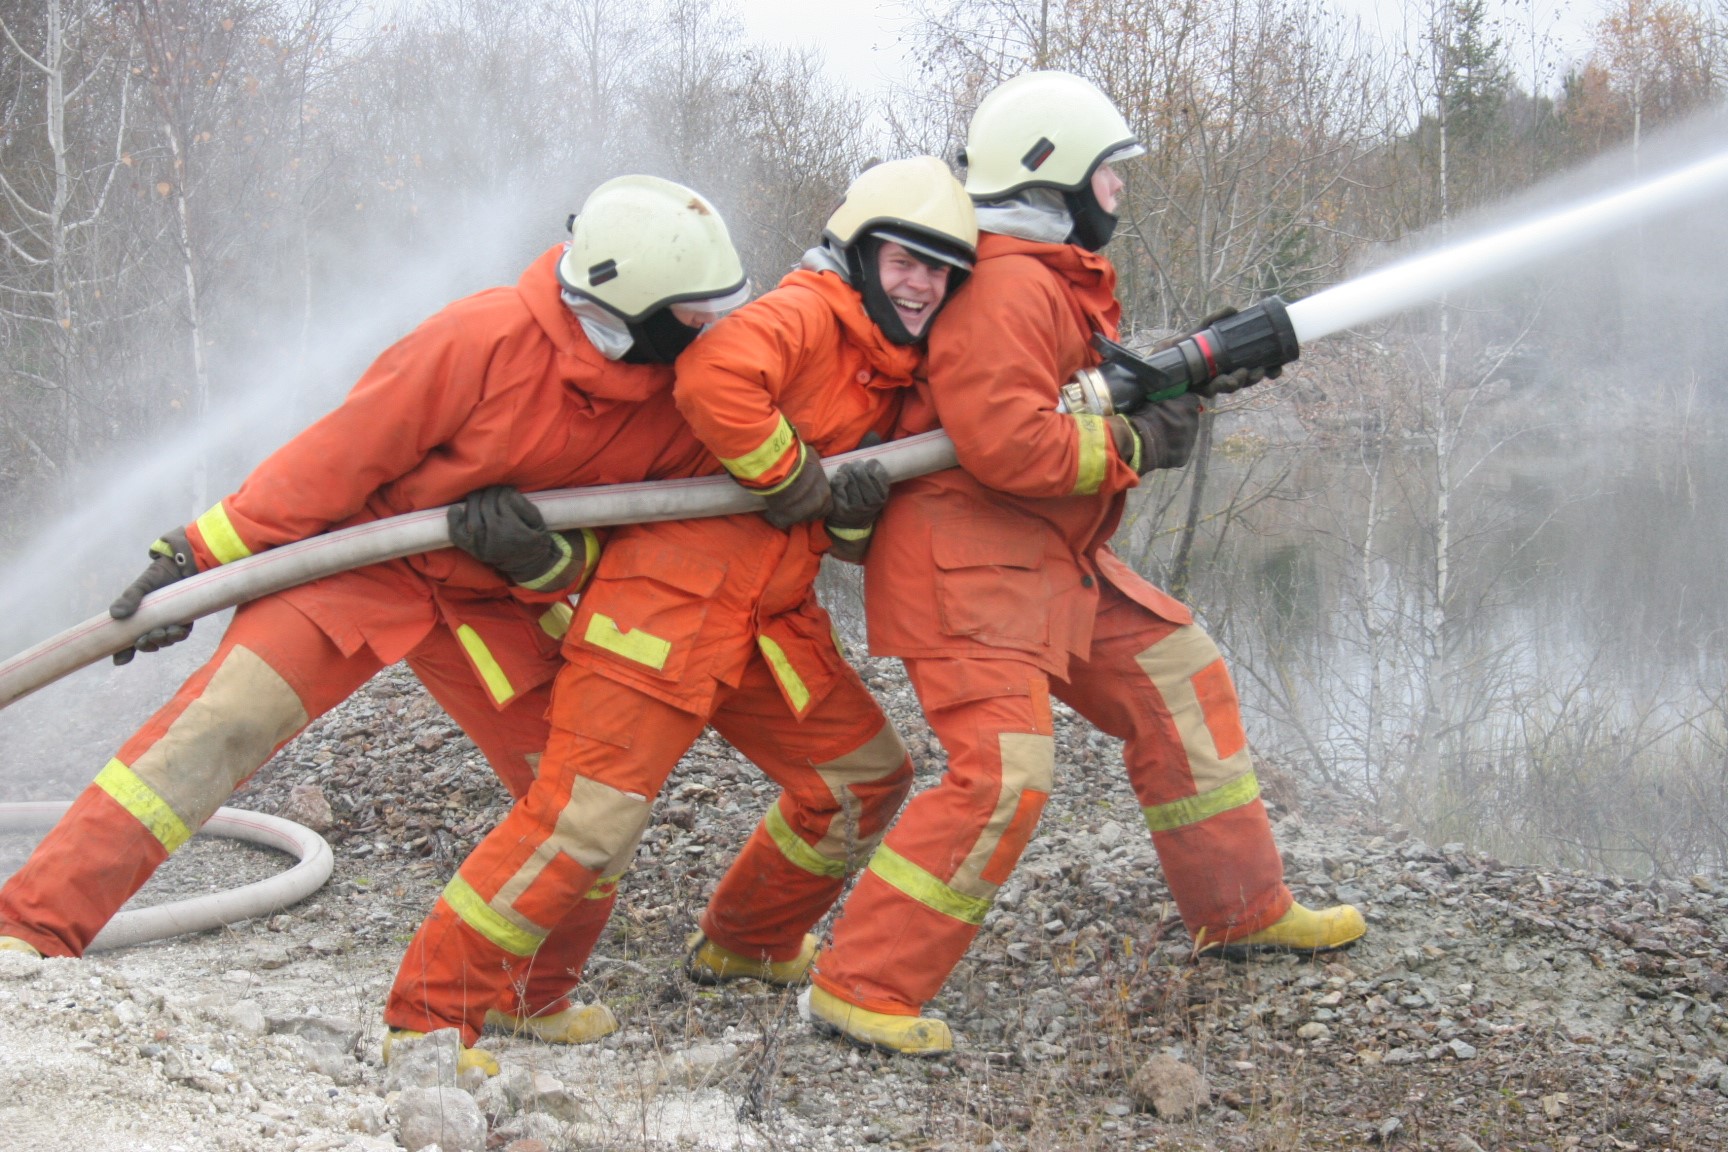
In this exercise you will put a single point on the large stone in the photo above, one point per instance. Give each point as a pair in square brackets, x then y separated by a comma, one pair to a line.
[306, 805]
[428, 1061]
[447, 1117]
[1169, 1087]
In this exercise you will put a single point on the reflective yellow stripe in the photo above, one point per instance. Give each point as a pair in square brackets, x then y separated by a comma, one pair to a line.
[1095, 451]
[764, 456]
[1193, 809]
[796, 692]
[590, 556]
[803, 459]
[565, 557]
[900, 873]
[797, 852]
[555, 621]
[642, 647]
[149, 809]
[604, 887]
[496, 682]
[851, 533]
[219, 536]
[486, 920]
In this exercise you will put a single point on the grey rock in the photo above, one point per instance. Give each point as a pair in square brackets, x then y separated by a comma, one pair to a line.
[699, 1065]
[1169, 1087]
[447, 1117]
[332, 1031]
[427, 1061]
[1461, 1050]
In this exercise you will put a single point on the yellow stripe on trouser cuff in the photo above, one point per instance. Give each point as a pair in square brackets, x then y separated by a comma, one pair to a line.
[220, 537]
[642, 647]
[486, 920]
[797, 694]
[1094, 453]
[604, 888]
[1193, 809]
[797, 852]
[496, 682]
[149, 809]
[900, 873]
[750, 466]
[555, 621]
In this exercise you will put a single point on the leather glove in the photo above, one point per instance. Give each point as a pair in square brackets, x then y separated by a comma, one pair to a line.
[1159, 435]
[805, 496]
[1230, 381]
[171, 561]
[502, 529]
[860, 493]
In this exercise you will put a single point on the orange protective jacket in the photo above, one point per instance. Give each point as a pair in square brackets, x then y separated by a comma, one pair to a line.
[502, 387]
[1001, 557]
[676, 609]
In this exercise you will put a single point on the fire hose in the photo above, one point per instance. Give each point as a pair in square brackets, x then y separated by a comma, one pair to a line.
[292, 564]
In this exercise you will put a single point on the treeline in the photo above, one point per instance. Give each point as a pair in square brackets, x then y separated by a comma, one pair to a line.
[186, 182]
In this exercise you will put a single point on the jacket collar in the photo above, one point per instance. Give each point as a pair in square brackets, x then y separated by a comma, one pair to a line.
[898, 361]
[1091, 276]
[579, 362]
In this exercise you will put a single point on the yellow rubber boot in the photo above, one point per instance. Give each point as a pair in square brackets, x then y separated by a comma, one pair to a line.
[13, 944]
[577, 1024]
[906, 1035]
[706, 962]
[470, 1057]
[1299, 930]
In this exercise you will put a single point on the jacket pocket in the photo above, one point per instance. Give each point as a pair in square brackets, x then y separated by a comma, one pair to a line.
[990, 581]
[646, 606]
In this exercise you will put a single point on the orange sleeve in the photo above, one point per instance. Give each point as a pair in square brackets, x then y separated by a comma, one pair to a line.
[730, 382]
[413, 398]
[998, 356]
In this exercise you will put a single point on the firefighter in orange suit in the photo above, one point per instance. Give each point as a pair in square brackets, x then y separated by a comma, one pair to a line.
[716, 622]
[563, 380]
[996, 585]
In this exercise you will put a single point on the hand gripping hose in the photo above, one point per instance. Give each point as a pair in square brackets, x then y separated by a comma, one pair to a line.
[291, 564]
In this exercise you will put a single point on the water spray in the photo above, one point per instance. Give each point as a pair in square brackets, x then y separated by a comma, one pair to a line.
[1270, 333]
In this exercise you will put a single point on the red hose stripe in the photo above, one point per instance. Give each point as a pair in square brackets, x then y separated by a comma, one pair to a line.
[1206, 351]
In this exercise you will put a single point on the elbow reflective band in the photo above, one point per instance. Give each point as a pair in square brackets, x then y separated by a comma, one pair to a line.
[555, 621]
[220, 537]
[139, 799]
[486, 664]
[901, 874]
[639, 646]
[797, 852]
[1095, 448]
[488, 921]
[753, 465]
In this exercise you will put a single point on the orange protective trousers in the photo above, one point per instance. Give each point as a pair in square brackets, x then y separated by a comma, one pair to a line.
[843, 772]
[1159, 686]
[273, 673]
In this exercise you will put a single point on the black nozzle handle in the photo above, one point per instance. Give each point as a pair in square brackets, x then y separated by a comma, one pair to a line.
[1260, 336]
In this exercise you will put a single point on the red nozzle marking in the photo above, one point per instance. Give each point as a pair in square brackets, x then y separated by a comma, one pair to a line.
[1206, 351]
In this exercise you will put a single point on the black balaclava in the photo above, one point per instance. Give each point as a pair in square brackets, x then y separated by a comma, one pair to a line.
[1093, 226]
[658, 338]
[866, 276]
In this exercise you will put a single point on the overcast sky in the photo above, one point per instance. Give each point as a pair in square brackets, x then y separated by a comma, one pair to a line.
[863, 41]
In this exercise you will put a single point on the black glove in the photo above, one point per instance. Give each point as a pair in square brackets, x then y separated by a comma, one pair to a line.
[860, 493]
[1230, 381]
[804, 497]
[501, 528]
[1159, 435]
[171, 561]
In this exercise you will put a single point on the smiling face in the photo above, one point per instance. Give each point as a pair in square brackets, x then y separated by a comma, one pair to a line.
[912, 286]
[1107, 187]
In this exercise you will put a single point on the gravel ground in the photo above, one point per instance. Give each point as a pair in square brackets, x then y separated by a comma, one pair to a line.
[1490, 1006]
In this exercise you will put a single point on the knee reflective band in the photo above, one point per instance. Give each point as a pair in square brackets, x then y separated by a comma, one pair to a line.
[424, 531]
[203, 912]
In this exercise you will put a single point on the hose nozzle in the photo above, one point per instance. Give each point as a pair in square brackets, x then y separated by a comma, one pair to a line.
[1257, 337]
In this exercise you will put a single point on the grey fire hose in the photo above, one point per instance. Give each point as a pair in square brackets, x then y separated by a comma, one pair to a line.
[292, 564]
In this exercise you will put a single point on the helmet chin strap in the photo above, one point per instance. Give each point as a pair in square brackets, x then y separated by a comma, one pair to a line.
[1093, 226]
[861, 262]
[658, 338]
